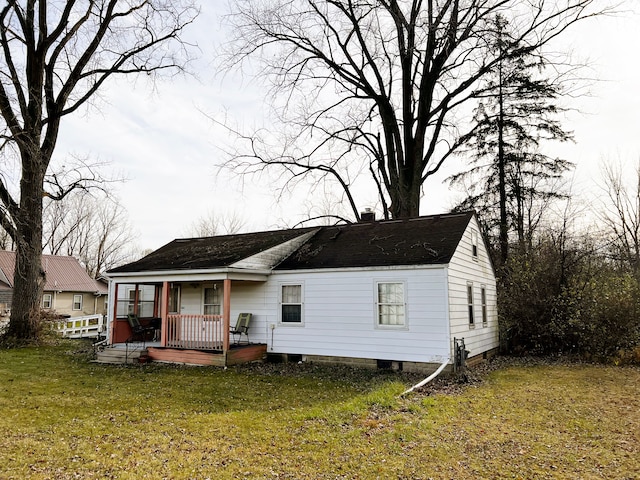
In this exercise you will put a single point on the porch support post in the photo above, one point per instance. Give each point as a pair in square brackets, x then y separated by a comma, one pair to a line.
[226, 315]
[114, 312]
[164, 313]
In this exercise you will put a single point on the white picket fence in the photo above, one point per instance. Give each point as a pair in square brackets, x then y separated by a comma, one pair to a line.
[89, 326]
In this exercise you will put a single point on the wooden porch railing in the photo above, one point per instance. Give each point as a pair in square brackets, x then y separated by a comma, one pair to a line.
[197, 332]
[89, 326]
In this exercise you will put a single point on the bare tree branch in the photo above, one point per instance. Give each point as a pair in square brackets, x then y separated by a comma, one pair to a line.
[55, 56]
[398, 71]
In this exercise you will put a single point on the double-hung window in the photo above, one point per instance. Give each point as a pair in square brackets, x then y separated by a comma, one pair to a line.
[46, 301]
[77, 302]
[212, 303]
[483, 302]
[291, 303]
[174, 298]
[391, 304]
[470, 304]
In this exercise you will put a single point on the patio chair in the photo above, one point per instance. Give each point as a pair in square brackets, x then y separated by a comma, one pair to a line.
[137, 329]
[241, 328]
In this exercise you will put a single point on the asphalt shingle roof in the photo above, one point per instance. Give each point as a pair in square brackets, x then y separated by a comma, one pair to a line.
[209, 252]
[417, 241]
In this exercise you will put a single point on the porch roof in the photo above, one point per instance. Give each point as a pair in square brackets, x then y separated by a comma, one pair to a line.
[211, 253]
[201, 275]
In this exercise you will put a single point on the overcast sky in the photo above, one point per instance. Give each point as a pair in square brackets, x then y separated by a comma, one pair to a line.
[166, 147]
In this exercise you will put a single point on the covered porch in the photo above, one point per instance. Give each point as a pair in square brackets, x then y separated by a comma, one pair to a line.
[185, 319]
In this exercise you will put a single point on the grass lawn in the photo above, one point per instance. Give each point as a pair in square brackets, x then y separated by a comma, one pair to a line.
[62, 417]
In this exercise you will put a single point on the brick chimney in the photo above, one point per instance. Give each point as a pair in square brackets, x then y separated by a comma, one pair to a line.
[368, 215]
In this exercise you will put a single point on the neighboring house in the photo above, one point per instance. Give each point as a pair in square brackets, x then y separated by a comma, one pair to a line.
[388, 293]
[68, 290]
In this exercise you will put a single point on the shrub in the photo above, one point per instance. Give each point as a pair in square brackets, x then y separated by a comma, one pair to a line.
[558, 300]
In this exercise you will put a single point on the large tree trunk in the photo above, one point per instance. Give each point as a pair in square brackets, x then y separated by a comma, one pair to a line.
[29, 277]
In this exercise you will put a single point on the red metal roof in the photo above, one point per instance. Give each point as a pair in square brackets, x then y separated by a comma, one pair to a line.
[63, 274]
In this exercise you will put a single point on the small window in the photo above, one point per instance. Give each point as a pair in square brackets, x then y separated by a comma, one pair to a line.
[212, 303]
[131, 305]
[46, 301]
[483, 301]
[470, 303]
[77, 302]
[474, 244]
[174, 298]
[291, 304]
[390, 300]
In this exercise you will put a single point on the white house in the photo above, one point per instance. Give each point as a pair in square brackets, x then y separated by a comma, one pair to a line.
[381, 293]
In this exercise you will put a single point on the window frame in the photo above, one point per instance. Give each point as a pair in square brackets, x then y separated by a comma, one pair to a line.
[44, 302]
[282, 304]
[377, 304]
[470, 294]
[219, 298]
[474, 245]
[483, 304]
[175, 293]
[80, 303]
[131, 302]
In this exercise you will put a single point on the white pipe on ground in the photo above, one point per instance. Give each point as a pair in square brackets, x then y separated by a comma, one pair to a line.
[428, 379]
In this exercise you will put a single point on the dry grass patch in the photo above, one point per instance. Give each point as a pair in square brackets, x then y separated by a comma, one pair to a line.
[63, 417]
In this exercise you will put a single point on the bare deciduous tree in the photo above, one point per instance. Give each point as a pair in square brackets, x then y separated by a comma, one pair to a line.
[93, 228]
[55, 56]
[377, 87]
[213, 223]
[620, 213]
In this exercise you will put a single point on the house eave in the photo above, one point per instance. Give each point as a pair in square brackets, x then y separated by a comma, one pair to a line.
[192, 275]
[429, 266]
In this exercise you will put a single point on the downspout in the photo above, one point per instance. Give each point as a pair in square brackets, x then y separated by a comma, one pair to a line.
[429, 378]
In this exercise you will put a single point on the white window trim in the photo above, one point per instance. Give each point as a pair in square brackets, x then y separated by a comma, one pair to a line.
[220, 298]
[474, 245]
[376, 314]
[178, 287]
[472, 305]
[73, 306]
[131, 302]
[484, 306]
[291, 284]
[45, 295]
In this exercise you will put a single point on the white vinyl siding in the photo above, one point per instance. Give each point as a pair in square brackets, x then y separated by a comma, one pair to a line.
[463, 269]
[340, 315]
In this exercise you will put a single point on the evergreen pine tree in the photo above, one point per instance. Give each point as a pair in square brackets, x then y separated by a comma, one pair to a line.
[517, 110]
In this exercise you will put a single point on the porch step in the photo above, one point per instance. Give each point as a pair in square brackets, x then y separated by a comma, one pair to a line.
[120, 354]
